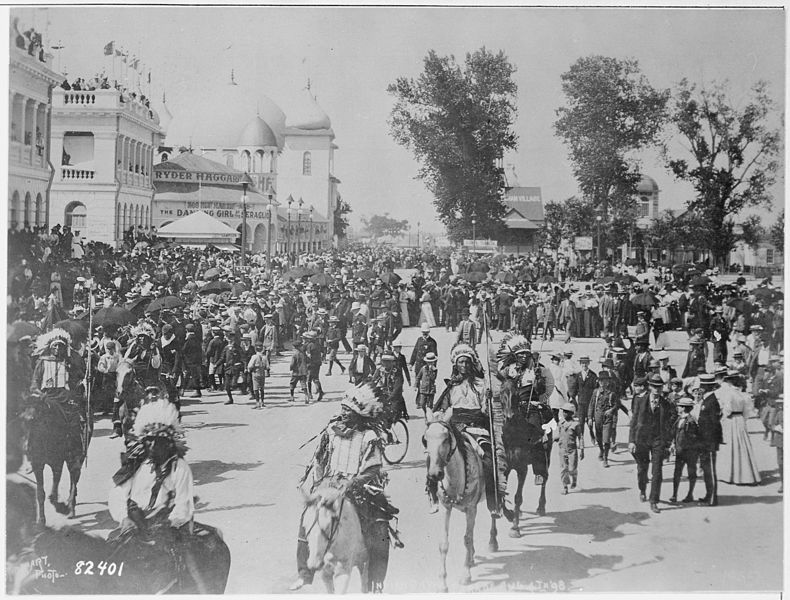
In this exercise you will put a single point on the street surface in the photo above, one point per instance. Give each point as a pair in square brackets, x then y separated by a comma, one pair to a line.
[598, 538]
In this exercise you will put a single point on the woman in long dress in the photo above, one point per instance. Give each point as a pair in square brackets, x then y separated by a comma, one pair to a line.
[426, 312]
[403, 299]
[736, 460]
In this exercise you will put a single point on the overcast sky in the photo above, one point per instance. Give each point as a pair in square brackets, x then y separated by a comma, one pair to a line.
[351, 54]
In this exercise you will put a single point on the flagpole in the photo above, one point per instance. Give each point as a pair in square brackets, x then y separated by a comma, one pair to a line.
[88, 376]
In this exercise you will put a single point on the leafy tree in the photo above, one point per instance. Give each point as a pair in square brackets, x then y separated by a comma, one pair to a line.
[733, 156]
[611, 111]
[752, 231]
[342, 208]
[777, 233]
[384, 225]
[457, 121]
[566, 220]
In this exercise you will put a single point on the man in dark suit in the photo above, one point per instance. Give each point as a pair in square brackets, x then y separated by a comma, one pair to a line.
[424, 344]
[608, 309]
[710, 432]
[193, 359]
[361, 368]
[650, 436]
[400, 360]
[580, 390]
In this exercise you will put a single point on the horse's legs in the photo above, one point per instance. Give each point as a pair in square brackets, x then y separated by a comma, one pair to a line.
[545, 472]
[57, 472]
[469, 542]
[38, 473]
[444, 545]
[74, 477]
[515, 532]
[493, 544]
[342, 579]
[328, 577]
[542, 500]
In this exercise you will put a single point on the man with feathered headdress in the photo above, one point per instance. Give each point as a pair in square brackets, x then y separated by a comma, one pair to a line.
[349, 453]
[58, 373]
[145, 355]
[467, 394]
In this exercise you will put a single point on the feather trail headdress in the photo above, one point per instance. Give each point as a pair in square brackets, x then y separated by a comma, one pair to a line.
[364, 399]
[160, 419]
[144, 329]
[512, 344]
[44, 341]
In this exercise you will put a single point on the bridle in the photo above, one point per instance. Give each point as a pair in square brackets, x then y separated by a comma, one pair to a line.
[453, 442]
[334, 524]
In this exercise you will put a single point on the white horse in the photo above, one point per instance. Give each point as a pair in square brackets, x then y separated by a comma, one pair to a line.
[334, 537]
[462, 485]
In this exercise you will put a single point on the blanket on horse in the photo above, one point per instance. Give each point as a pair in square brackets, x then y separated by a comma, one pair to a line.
[57, 431]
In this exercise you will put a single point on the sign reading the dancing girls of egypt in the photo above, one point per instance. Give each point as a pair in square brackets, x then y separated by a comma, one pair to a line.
[198, 177]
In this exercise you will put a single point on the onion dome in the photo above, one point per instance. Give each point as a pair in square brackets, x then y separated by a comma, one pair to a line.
[647, 185]
[306, 114]
[257, 133]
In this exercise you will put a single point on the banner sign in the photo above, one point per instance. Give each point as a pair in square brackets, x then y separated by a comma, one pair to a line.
[583, 242]
[198, 177]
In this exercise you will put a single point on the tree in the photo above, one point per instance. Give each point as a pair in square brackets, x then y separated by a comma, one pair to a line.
[457, 121]
[342, 208]
[566, 220]
[733, 156]
[384, 225]
[752, 231]
[777, 233]
[612, 111]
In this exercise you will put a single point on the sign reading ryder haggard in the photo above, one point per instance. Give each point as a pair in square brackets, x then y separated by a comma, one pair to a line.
[198, 177]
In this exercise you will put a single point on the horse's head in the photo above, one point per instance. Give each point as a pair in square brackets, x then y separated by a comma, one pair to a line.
[439, 443]
[124, 376]
[320, 522]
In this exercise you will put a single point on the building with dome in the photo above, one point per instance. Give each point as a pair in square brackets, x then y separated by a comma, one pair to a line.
[648, 207]
[290, 159]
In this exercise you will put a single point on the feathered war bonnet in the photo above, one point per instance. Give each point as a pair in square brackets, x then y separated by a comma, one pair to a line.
[144, 329]
[160, 419]
[364, 399]
[511, 345]
[461, 350]
[46, 340]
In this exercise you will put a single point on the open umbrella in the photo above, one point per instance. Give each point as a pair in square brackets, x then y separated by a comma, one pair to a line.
[78, 330]
[113, 315]
[238, 288]
[480, 265]
[764, 293]
[297, 273]
[19, 329]
[605, 280]
[215, 287]
[321, 279]
[390, 278]
[547, 279]
[211, 273]
[626, 279]
[474, 276]
[699, 280]
[505, 277]
[645, 300]
[138, 305]
[166, 302]
[365, 274]
[740, 304]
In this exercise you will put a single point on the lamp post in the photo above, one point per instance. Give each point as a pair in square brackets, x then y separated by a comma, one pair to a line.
[311, 229]
[246, 181]
[269, 209]
[474, 231]
[288, 231]
[598, 219]
[299, 227]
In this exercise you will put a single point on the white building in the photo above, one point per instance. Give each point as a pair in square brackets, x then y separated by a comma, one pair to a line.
[103, 147]
[647, 207]
[289, 157]
[29, 100]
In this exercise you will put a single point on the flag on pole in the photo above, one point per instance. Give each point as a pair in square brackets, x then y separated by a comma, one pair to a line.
[135, 63]
[109, 48]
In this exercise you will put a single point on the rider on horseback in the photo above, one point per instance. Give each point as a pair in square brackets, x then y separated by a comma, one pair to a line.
[467, 394]
[58, 373]
[350, 454]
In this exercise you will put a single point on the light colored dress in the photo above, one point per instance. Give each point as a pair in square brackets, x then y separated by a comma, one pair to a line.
[736, 459]
[426, 311]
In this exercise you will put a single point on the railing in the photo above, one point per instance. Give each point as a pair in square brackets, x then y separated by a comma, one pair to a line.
[77, 174]
[101, 98]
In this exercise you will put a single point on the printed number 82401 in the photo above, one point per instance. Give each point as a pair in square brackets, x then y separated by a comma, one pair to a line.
[85, 567]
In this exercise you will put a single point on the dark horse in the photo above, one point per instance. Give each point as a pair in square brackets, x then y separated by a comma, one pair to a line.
[57, 437]
[68, 561]
[525, 442]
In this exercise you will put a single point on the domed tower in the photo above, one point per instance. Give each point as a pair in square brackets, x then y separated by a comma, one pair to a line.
[647, 191]
[306, 168]
[258, 150]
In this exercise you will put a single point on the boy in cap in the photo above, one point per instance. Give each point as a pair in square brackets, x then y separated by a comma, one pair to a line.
[569, 436]
[601, 415]
[333, 344]
[425, 383]
[686, 445]
[298, 368]
[258, 367]
[424, 344]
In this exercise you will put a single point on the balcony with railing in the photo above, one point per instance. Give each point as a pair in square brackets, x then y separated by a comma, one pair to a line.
[77, 175]
[100, 99]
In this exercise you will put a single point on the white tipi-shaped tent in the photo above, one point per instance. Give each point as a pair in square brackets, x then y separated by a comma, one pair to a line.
[199, 229]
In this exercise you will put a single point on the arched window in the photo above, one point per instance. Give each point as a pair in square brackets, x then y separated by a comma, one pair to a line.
[13, 211]
[40, 217]
[246, 161]
[655, 206]
[165, 157]
[257, 162]
[147, 217]
[76, 215]
[229, 161]
[28, 209]
[307, 164]
[644, 206]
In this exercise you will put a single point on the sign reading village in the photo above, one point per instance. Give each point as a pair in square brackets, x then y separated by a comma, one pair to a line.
[198, 177]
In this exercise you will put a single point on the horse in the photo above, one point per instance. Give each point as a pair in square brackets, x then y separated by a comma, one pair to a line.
[525, 444]
[130, 392]
[69, 561]
[453, 461]
[334, 537]
[57, 437]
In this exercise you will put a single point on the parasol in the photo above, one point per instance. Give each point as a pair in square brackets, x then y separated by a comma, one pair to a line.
[78, 330]
[212, 273]
[215, 287]
[645, 300]
[505, 277]
[138, 305]
[113, 316]
[473, 276]
[365, 274]
[390, 278]
[321, 279]
[547, 279]
[20, 329]
[166, 302]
